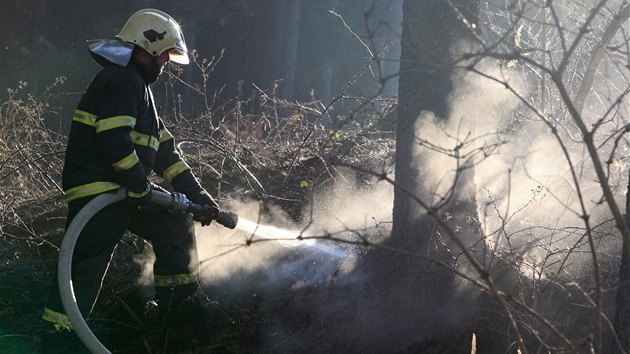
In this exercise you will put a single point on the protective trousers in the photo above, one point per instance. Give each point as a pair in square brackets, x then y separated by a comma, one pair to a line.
[176, 267]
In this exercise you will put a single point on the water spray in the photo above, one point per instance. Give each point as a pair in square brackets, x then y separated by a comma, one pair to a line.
[290, 238]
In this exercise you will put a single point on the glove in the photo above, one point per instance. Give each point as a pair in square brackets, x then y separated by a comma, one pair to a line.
[209, 208]
[139, 198]
[207, 215]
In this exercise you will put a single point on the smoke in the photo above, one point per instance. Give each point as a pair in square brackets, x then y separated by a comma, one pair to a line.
[527, 203]
[524, 174]
[531, 186]
[277, 254]
[259, 256]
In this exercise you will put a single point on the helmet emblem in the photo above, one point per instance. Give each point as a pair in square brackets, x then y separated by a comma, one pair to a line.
[153, 35]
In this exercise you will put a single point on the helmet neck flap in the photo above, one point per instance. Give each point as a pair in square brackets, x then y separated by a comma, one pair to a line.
[107, 51]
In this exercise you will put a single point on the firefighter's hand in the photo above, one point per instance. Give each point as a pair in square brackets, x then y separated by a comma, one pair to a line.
[139, 198]
[206, 216]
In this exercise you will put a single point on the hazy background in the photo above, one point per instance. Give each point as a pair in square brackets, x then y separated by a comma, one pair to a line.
[262, 41]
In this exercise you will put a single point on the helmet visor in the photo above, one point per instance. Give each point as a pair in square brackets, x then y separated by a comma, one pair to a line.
[178, 56]
[178, 52]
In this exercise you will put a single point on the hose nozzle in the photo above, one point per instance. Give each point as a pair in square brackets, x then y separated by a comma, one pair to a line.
[228, 219]
[179, 202]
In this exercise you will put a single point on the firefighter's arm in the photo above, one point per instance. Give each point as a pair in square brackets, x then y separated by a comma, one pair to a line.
[174, 170]
[116, 118]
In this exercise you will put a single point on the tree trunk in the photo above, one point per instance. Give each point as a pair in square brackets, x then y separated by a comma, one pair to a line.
[390, 63]
[430, 29]
[622, 310]
[288, 29]
[419, 293]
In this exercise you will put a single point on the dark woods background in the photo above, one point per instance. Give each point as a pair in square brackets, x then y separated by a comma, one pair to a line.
[300, 45]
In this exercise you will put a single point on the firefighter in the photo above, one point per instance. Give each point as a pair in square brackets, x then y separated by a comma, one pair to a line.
[116, 140]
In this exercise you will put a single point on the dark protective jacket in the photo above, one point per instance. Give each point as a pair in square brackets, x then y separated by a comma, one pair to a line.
[116, 139]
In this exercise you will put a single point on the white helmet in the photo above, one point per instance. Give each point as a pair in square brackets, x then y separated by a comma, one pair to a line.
[155, 32]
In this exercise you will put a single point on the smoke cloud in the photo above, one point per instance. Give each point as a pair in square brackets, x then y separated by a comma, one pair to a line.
[278, 254]
[530, 184]
[527, 202]
[529, 190]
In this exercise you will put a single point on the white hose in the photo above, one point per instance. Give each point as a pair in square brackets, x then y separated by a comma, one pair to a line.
[175, 201]
[64, 270]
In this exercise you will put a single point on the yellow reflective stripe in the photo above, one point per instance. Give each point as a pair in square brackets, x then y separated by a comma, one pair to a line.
[56, 318]
[145, 140]
[90, 189]
[126, 163]
[115, 122]
[173, 170]
[165, 135]
[174, 280]
[154, 144]
[84, 117]
[138, 195]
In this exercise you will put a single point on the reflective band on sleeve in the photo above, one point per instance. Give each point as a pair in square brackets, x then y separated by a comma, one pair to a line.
[173, 170]
[139, 195]
[115, 122]
[165, 135]
[126, 163]
[90, 189]
[57, 318]
[145, 140]
[84, 117]
[174, 280]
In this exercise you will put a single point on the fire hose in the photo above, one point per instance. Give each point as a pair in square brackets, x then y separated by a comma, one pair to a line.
[176, 202]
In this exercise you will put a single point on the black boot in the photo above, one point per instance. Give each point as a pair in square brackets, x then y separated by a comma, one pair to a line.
[170, 300]
[60, 341]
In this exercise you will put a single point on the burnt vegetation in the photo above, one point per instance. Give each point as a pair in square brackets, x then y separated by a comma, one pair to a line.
[532, 267]
[260, 148]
